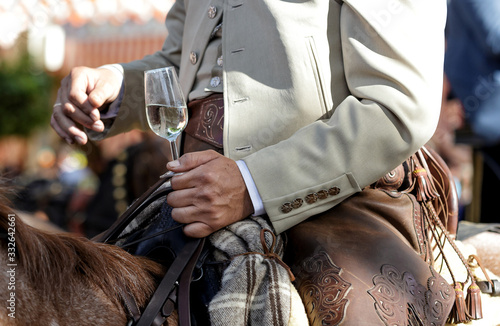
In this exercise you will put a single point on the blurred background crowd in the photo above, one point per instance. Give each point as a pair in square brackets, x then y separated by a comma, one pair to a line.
[81, 189]
[84, 189]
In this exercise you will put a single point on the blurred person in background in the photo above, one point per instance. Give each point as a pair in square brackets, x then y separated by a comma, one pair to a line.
[472, 65]
[458, 156]
[126, 166]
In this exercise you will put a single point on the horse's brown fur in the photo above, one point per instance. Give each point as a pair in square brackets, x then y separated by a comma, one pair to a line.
[61, 279]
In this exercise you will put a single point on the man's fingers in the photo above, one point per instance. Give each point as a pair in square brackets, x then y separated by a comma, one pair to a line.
[105, 90]
[186, 180]
[190, 161]
[65, 127]
[185, 215]
[210, 196]
[194, 228]
[79, 98]
[181, 198]
[60, 131]
[80, 137]
[199, 205]
[77, 115]
[64, 119]
[90, 89]
[79, 83]
[198, 230]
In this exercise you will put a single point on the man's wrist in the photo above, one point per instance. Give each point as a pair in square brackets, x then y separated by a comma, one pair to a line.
[115, 68]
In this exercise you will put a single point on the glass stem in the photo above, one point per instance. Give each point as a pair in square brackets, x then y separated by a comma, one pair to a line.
[175, 152]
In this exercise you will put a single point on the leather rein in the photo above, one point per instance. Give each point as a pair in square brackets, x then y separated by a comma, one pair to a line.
[175, 284]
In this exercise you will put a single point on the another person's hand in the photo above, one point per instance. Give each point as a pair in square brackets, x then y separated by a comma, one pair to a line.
[79, 98]
[209, 194]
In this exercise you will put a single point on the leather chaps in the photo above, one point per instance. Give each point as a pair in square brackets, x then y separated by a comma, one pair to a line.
[367, 261]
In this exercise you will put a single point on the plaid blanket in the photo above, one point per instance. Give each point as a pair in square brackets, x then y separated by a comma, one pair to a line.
[256, 286]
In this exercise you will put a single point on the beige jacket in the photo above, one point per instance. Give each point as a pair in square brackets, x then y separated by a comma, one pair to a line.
[321, 98]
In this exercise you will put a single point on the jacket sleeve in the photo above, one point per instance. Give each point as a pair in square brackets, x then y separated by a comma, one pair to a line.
[131, 114]
[393, 63]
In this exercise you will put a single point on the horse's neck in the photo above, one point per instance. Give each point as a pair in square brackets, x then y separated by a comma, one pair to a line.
[73, 280]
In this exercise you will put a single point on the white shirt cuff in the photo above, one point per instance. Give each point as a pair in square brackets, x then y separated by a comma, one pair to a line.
[258, 205]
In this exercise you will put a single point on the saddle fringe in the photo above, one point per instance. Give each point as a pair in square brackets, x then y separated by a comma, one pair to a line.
[437, 212]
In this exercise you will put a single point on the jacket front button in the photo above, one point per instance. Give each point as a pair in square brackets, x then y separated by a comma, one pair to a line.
[215, 81]
[193, 57]
[212, 12]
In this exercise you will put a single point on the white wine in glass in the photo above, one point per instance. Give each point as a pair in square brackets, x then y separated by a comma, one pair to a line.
[165, 105]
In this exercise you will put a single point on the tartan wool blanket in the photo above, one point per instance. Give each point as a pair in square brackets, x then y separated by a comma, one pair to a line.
[256, 285]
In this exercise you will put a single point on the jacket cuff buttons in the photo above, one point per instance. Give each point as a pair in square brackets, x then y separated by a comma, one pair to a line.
[309, 199]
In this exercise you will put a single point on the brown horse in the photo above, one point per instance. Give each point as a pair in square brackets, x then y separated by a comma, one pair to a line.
[61, 279]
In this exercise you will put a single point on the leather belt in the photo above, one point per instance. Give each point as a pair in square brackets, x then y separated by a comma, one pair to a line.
[206, 124]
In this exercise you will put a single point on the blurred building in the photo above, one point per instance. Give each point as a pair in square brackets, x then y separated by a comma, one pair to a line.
[61, 34]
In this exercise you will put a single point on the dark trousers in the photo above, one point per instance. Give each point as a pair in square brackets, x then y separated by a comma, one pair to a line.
[490, 184]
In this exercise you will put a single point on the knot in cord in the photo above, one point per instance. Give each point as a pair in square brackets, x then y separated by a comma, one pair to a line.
[269, 252]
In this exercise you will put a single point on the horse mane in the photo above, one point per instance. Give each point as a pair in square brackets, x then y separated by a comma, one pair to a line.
[66, 262]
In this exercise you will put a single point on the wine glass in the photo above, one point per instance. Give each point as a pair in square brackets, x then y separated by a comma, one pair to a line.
[165, 105]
